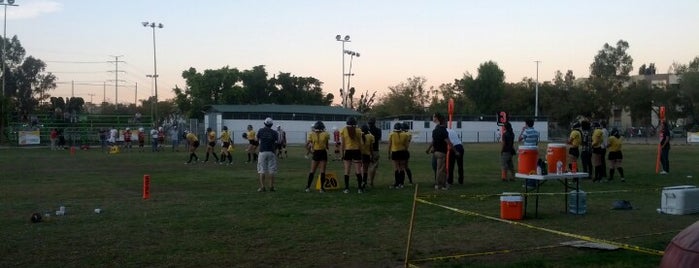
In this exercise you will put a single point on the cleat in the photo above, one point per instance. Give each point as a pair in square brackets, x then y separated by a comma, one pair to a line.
[261, 189]
[308, 190]
[346, 191]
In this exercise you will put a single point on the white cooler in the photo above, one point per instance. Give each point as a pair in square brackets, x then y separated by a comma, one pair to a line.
[679, 200]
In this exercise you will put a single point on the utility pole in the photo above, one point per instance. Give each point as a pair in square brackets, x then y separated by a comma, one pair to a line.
[536, 100]
[116, 71]
[104, 92]
[135, 96]
[91, 95]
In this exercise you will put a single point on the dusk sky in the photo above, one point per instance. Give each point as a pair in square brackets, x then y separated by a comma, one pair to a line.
[439, 40]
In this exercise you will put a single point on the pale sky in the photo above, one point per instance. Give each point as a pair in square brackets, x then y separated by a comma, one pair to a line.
[397, 39]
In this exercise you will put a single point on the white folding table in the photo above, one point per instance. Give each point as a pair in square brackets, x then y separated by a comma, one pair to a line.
[541, 179]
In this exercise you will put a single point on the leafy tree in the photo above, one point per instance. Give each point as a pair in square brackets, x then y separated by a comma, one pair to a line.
[486, 90]
[405, 98]
[231, 86]
[638, 100]
[608, 73]
[642, 69]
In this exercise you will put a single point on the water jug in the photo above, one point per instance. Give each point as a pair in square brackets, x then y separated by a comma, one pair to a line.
[577, 202]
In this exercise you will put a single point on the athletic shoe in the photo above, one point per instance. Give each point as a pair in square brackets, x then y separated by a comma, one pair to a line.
[622, 180]
[359, 191]
[663, 172]
[261, 189]
[322, 190]
[271, 189]
[308, 190]
[436, 187]
[346, 191]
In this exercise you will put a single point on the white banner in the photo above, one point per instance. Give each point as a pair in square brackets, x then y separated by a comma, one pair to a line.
[29, 137]
[693, 137]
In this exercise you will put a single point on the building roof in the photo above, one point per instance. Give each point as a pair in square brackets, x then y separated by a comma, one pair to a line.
[281, 109]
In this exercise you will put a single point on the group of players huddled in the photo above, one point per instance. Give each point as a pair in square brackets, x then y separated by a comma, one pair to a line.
[359, 147]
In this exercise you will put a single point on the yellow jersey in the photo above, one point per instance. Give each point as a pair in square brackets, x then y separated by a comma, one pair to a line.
[597, 138]
[614, 144]
[225, 136]
[366, 144]
[191, 137]
[397, 141]
[211, 136]
[251, 135]
[347, 142]
[575, 139]
[319, 140]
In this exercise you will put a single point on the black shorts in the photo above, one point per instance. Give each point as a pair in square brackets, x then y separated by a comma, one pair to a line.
[366, 158]
[226, 145]
[212, 144]
[575, 152]
[615, 155]
[400, 155]
[195, 144]
[352, 155]
[320, 155]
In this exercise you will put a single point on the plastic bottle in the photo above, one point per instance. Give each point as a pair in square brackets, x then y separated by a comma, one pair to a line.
[538, 170]
[559, 167]
[577, 202]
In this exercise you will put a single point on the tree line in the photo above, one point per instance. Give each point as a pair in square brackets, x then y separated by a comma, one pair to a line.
[607, 89]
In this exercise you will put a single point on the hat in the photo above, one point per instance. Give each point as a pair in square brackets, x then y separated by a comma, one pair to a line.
[268, 122]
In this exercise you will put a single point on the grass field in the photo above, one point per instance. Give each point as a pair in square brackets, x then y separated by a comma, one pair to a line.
[207, 215]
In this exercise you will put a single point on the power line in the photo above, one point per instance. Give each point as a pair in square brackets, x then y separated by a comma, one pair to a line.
[75, 62]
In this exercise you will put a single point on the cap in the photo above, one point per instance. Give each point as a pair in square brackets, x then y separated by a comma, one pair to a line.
[268, 122]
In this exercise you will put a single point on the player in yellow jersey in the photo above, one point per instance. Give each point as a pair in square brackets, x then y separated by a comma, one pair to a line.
[615, 155]
[398, 154]
[351, 140]
[226, 142]
[367, 150]
[318, 144]
[193, 142]
[574, 141]
[253, 143]
[211, 144]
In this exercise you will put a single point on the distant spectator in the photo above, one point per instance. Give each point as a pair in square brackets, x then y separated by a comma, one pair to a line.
[137, 117]
[175, 138]
[54, 138]
[103, 138]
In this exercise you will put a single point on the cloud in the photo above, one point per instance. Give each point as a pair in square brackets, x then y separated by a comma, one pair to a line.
[33, 9]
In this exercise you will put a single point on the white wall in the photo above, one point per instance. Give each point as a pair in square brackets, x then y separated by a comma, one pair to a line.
[296, 131]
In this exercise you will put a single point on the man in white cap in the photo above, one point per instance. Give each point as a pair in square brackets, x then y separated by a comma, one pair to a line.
[267, 159]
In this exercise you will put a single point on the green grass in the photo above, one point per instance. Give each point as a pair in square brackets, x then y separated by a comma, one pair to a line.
[211, 216]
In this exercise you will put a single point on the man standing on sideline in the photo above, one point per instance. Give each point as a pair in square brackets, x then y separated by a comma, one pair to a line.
[440, 143]
[664, 148]
[456, 155]
[267, 159]
[374, 164]
[529, 137]
[154, 139]
[175, 138]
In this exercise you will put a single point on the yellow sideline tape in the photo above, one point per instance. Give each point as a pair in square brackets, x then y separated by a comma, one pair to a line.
[581, 237]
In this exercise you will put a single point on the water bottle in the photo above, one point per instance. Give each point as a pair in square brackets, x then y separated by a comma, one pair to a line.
[577, 202]
[559, 167]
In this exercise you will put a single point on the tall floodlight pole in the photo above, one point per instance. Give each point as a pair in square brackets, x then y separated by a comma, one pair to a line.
[349, 73]
[344, 91]
[4, 37]
[536, 99]
[155, 64]
[2, 72]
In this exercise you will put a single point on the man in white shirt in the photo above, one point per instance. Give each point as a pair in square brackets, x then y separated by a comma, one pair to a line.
[456, 154]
